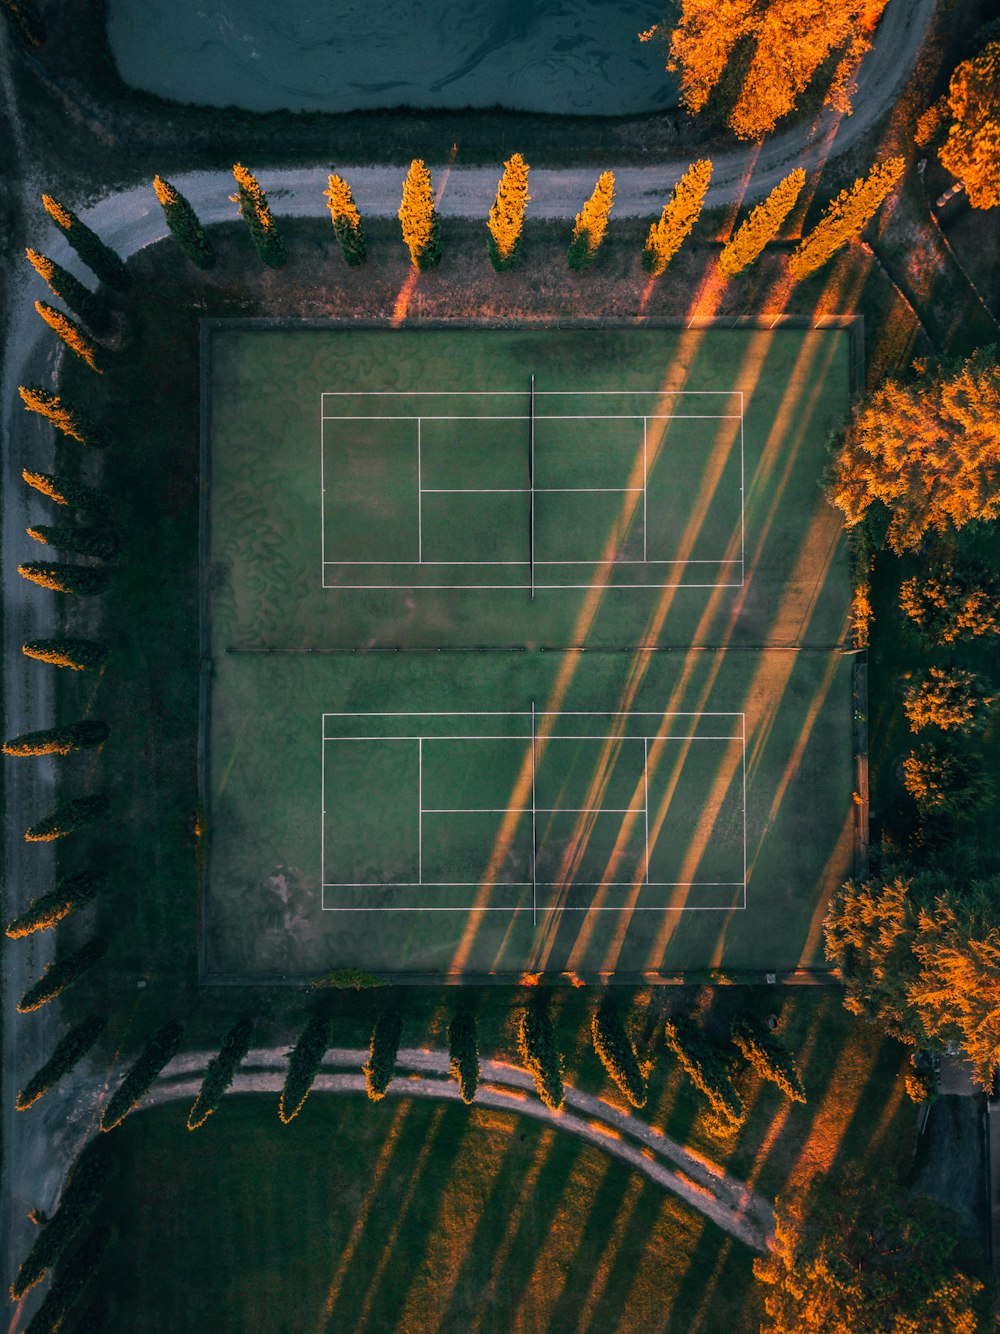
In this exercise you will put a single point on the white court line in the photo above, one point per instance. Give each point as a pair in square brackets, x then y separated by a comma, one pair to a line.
[539, 416]
[523, 491]
[512, 736]
[519, 393]
[526, 713]
[645, 786]
[478, 564]
[420, 503]
[420, 808]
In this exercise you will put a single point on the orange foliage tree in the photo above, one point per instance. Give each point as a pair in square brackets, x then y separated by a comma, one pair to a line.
[680, 213]
[972, 149]
[853, 209]
[762, 225]
[419, 218]
[929, 451]
[63, 416]
[71, 333]
[346, 220]
[591, 223]
[256, 213]
[506, 222]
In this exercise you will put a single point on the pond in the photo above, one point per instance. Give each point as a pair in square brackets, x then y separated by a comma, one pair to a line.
[579, 57]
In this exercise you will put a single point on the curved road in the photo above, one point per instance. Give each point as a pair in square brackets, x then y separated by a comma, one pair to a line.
[37, 1149]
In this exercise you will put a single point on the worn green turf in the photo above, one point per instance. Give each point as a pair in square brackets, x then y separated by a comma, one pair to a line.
[690, 805]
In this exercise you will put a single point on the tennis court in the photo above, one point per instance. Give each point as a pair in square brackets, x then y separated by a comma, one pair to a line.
[524, 650]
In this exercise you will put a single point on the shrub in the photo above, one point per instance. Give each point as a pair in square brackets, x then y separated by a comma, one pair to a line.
[69, 1282]
[679, 215]
[94, 542]
[58, 740]
[70, 291]
[617, 1054]
[66, 491]
[706, 1068]
[852, 210]
[953, 700]
[953, 602]
[381, 1064]
[61, 974]
[347, 979]
[68, 818]
[591, 223]
[536, 1045]
[506, 221]
[70, 420]
[99, 258]
[769, 1058]
[221, 1070]
[463, 1048]
[72, 891]
[184, 225]
[921, 1078]
[80, 1197]
[947, 779]
[762, 225]
[77, 654]
[160, 1049]
[304, 1061]
[70, 1048]
[83, 580]
[73, 335]
[419, 218]
[346, 221]
[256, 213]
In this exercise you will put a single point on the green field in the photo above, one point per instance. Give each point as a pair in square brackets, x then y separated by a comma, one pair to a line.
[526, 650]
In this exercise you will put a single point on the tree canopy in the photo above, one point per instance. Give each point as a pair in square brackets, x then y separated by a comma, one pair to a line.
[928, 450]
[972, 149]
[868, 1259]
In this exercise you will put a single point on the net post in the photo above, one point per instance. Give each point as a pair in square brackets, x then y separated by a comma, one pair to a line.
[534, 826]
[531, 485]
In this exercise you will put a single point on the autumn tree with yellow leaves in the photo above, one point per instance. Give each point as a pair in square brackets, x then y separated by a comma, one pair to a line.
[952, 699]
[953, 600]
[64, 416]
[419, 218]
[749, 61]
[184, 224]
[73, 335]
[972, 150]
[256, 213]
[859, 1253]
[98, 257]
[680, 213]
[61, 283]
[761, 226]
[853, 209]
[929, 451]
[346, 220]
[506, 222]
[592, 223]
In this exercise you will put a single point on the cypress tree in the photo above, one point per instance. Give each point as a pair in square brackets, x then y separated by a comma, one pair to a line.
[70, 893]
[184, 224]
[256, 214]
[506, 222]
[98, 257]
[61, 974]
[304, 1061]
[160, 1049]
[24, 19]
[69, 1282]
[679, 215]
[80, 1197]
[221, 1070]
[463, 1047]
[65, 490]
[346, 221]
[70, 420]
[591, 223]
[80, 541]
[58, 740]
[617, 1054]
[68, 818]
[77, 654]
[81, 300]
[84, 580]
[73, 335]
[762, 225]
[536, 1044]
[71, 1047]
[92, 1321]
[381, 1064]
[853, 209]
[419, 219]
[770, 1058]
[705, 1067]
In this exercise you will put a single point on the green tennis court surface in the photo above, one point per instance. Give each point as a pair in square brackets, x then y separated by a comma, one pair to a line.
[525, 649]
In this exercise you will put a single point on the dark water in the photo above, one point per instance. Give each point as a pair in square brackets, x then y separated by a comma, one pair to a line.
[570, 56]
